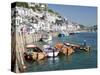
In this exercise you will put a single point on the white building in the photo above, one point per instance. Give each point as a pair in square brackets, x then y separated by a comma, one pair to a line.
[17, 20]
[31, 4]
[42, 25]
[23, 11]
[36, 4]
[52, 21]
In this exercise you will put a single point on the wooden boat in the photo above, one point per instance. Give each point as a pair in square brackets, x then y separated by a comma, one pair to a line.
[73, 45]
[67, 50]
[59, 46]
[38, 55]
[51, 52]
[78, 47]
[35, 53]
[64, 49]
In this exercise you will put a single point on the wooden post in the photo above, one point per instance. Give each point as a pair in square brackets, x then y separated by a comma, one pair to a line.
[53, 56]
[53, 53]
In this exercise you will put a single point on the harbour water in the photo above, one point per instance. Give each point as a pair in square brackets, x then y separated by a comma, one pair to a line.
[78, 60]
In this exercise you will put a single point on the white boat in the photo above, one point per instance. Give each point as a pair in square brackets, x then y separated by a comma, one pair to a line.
[51, 52]
[48, 38]
[67, 34]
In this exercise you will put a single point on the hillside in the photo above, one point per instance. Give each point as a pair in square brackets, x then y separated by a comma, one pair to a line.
[41, 18]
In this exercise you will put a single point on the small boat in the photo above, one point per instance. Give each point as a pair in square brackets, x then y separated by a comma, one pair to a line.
[77, 47]
[51, 52]
[67, 34]
[67, 50]
[47, 38]
[34, 53]
[64, 49]
[72, 33]
[59, 46]
[73, 45]
[63, 34]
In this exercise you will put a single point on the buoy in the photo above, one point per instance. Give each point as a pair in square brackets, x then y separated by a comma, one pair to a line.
[28, 57]
[24, 67]
[87, 48]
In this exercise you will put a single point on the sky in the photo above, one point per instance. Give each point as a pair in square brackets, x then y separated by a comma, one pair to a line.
[81, 14]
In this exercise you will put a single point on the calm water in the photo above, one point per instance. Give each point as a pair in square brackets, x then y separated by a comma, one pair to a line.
[78, 60]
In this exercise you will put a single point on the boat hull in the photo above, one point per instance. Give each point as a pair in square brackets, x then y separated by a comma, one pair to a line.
[38, 56]
[51, 54]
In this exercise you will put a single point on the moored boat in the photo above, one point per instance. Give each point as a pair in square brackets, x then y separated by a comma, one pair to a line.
[47, 38]
[64, 49]
[34, 52]
[59, 46]
[77, 47]
[67, 50]
[51, 52]
[63, 34]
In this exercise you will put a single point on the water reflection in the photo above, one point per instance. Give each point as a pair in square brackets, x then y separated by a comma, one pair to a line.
[53, 60]
[69, 59]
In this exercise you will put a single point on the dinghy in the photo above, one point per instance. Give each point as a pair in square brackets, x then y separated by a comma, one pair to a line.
[50, 51]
